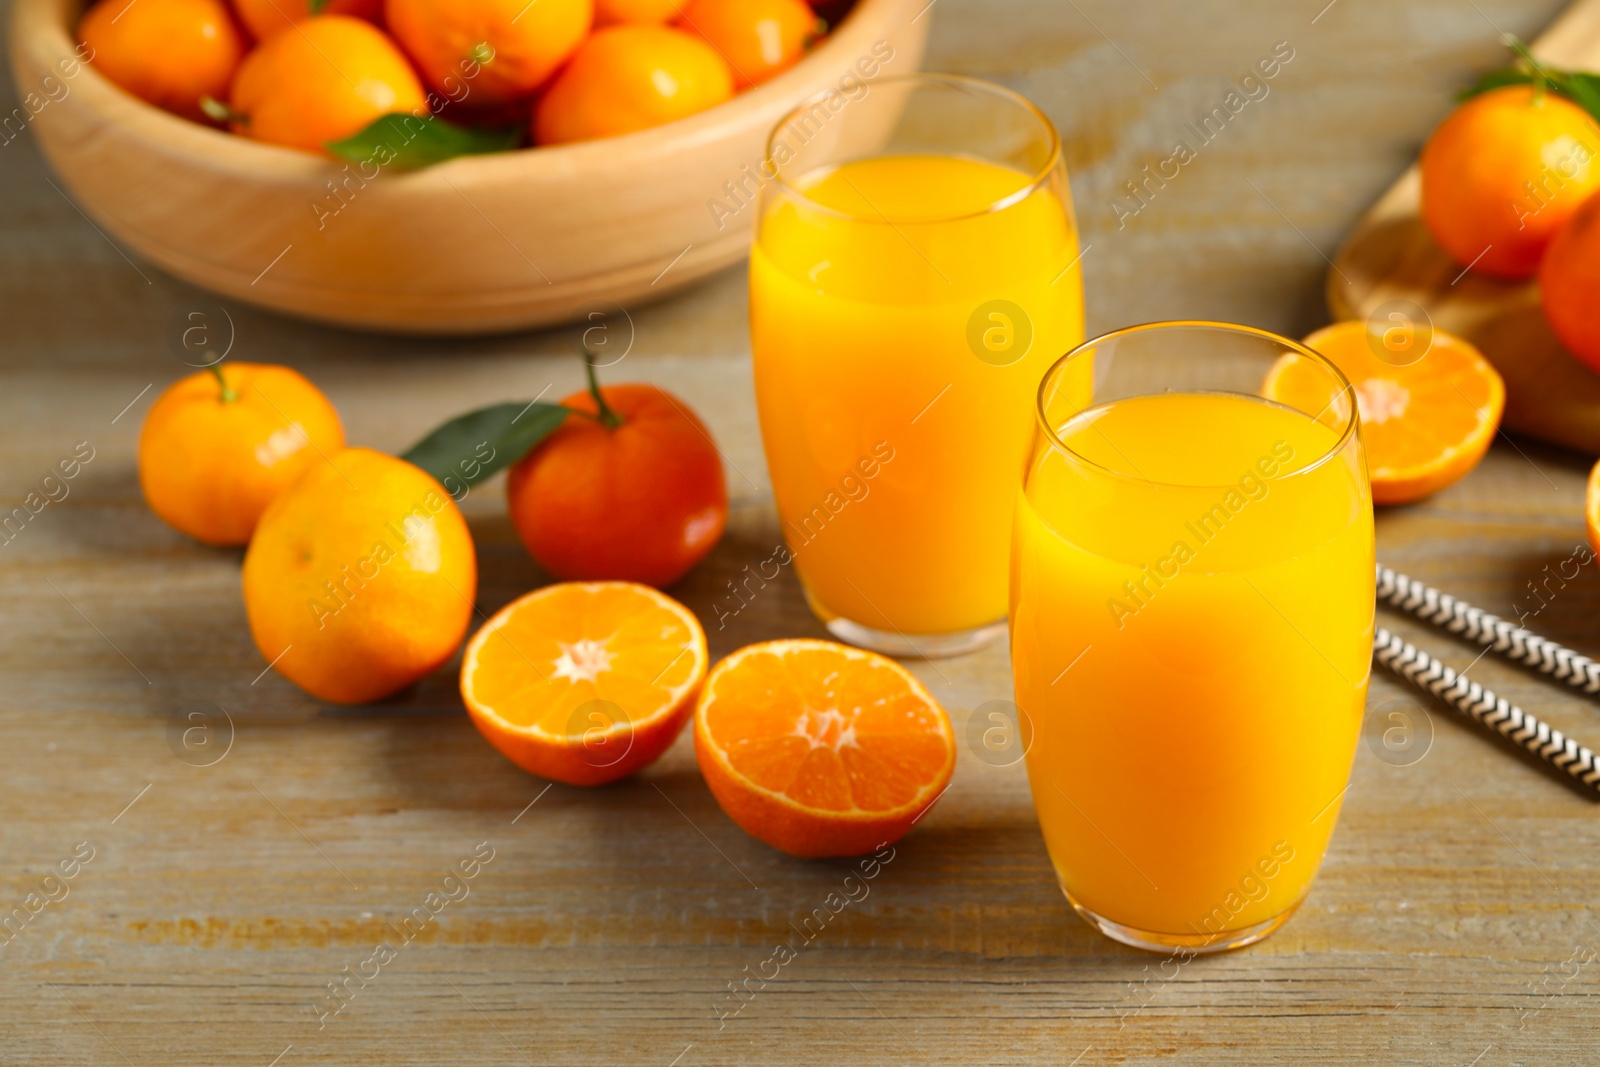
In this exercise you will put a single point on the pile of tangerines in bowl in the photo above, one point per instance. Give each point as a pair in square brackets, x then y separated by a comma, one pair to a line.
[470, 76]
[360, 578]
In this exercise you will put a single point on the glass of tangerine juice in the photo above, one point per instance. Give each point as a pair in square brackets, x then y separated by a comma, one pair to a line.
[1192, 578]
[913, 275]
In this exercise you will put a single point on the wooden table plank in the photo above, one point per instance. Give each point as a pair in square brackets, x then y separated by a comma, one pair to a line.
[609, 923]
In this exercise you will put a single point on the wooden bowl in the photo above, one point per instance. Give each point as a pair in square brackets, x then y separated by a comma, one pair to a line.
[474, 245]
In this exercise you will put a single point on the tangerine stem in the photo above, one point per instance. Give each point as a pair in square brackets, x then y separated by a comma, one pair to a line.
[608, 418]
[221, 112]
[229, 393]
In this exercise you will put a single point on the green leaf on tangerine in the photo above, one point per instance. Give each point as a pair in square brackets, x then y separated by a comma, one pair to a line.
[405, 142]
[469, 448]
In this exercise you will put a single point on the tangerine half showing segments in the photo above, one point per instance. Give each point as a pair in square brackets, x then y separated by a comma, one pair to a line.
[819, 749]
[1429, 408]
[584, 682]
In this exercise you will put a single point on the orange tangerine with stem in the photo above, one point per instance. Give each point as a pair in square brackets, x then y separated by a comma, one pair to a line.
[325, 81]
[759, 39]
[631, 77]
[1502, 174]
[263, 18]
[219, 446]
[171, 53]
[510, 47]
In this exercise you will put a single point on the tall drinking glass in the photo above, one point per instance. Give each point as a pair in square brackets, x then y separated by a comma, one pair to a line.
[914, 273]
[1191, 626]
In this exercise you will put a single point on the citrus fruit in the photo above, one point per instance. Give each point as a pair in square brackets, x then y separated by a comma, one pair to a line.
[263, 18]
[633, 492]
[1503, 172]
[1427, 414]
[610, 12]
[329, 79]
[821, 750]
[627, 78]
[1569, 283]
[515, 44]
[758, 38]
[218, 446]
[360, 577]
[584, 682]
[1591, 507]
[169, 53]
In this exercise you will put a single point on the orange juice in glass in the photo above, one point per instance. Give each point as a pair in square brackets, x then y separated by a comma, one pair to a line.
[913, 275]
[1191, 627]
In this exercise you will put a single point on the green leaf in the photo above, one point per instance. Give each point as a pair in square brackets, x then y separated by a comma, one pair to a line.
[406, 142]
[471, 447]
[316, 6]
[1497, 79]
[1582, 88]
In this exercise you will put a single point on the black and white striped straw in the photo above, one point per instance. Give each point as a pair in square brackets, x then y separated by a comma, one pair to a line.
[1475, 624]
[1472, 699]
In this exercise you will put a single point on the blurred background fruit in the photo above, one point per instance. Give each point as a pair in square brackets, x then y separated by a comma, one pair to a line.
[630, 490]
[329, 79]
[1503, 172]
[585, 682]
[509, 47]
[1569, 283]
[263, 18]
[757, 38]
[611, 12]
[218, 446]
[170, 53]
[631, 77]
[360, 578]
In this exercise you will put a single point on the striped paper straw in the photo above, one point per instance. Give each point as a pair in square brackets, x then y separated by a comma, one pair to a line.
[1475, 624]
[1479, 704]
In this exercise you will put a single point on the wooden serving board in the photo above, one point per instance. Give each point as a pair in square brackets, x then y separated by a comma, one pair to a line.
[1391, 256]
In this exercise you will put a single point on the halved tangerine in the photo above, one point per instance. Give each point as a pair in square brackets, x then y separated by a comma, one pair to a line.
[819, 749]
[1429, 409]
[584, 682]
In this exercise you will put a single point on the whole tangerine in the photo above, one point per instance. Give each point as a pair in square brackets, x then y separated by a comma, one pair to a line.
[500, 49]
[170, 53]
[759, 38]
[1569, 283]
[1503, 173]
[360, 578]
[612, 12]
[631, 489]
[328, 80]
[219, 446]
[263, 18]
[627, 78]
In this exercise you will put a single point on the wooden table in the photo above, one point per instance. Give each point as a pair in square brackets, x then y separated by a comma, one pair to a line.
[1451, 922]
